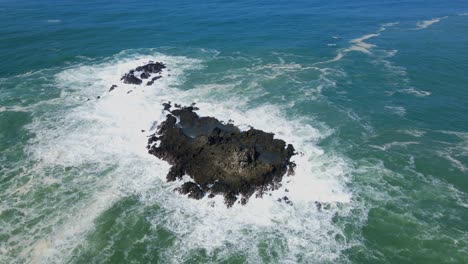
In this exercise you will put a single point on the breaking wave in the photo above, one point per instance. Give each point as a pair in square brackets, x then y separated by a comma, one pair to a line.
[427, 23]
[98, 146]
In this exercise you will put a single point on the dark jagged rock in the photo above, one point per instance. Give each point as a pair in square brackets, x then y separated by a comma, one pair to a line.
[153, 79]
[129, 78]
[167, 106]
[192, 189]
[112, 87]
[151, 67]
[144, 75]
[319, 205]
[285, 199]
[219, 157]
[137, 75]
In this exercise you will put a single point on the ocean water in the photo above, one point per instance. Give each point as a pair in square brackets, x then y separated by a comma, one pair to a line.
[373, 93]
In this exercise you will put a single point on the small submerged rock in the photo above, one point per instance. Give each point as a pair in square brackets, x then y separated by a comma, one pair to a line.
[286, 200]
[137, 75]
[219, 157]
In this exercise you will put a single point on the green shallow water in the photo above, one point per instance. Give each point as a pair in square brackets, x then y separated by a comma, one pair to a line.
[373, 94]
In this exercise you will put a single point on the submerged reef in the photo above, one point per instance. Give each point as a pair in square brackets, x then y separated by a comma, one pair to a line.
[219, 157]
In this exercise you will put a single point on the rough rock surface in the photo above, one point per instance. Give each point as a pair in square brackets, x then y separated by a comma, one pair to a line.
[137, 75]
[219, 157]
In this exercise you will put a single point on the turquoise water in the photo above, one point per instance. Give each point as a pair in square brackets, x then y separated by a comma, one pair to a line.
[373, 93]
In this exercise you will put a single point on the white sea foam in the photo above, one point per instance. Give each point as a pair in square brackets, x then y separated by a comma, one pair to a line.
[456, 153]
[415, 92]
[457, 163]
[338, 57]
[360, 44]
[54, 21]
[398, 110]
[107, 133]
[427, 23]
[17, 108]
[327, 79]
[413, 132]
[390, 145]
[390, 24]
[70, 138]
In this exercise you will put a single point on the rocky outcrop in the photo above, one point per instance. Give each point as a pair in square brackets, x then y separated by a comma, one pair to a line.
[219, 157]
[137, 75]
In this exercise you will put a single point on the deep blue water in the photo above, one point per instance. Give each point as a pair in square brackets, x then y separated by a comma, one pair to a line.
[374, 93]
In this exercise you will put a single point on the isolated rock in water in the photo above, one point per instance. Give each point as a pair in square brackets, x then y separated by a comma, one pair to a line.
[136, 75]
[219, 157]
[112, 87]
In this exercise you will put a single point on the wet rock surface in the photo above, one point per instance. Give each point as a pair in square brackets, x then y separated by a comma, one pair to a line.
[112, 87]
[220, 159]
[137, 75]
